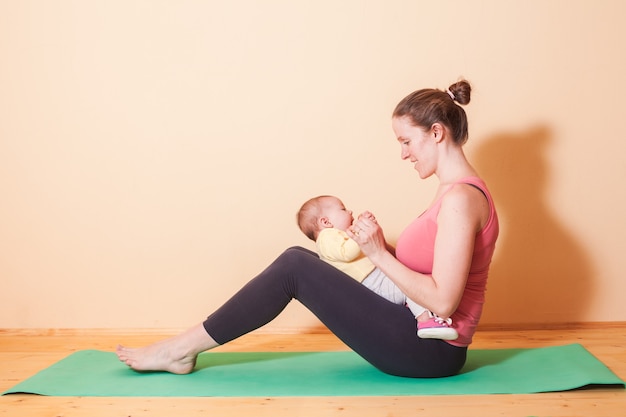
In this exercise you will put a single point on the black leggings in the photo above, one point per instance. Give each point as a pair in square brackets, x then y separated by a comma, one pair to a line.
[382, 332]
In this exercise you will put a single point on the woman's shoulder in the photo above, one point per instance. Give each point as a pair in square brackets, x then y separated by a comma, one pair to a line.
[463, 194]
[467, 198]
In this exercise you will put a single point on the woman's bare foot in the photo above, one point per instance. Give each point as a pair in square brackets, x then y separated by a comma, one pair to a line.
[176, 355]
[156, 357]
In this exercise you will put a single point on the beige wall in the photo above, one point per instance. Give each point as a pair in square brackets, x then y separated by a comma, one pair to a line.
[153, 154]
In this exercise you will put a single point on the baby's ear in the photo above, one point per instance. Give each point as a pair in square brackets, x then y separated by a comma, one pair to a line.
[324, 222]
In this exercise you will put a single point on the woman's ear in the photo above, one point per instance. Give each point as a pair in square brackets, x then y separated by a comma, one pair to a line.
[437, 130]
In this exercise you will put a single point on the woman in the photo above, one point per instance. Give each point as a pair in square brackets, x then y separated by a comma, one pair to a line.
[441, 262]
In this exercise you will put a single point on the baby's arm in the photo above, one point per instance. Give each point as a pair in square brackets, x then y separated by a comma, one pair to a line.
[335, 245]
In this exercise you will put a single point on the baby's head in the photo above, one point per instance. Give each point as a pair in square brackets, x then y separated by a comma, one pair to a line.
[321, 212]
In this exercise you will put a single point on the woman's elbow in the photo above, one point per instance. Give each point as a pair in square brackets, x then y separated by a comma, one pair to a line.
[445, 308]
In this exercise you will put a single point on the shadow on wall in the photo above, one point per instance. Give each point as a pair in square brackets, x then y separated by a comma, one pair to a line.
[539, 273]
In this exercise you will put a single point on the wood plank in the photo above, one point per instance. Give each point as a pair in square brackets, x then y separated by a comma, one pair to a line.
[23, 353]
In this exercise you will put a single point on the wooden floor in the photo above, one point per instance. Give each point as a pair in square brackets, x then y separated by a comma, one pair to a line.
[23, 353]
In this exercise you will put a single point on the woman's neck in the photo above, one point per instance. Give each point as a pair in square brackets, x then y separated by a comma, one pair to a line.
[453, 165]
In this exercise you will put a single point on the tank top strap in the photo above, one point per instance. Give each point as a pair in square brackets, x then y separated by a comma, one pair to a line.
[474, 181]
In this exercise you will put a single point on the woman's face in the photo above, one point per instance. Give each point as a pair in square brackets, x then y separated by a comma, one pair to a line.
[417, 145]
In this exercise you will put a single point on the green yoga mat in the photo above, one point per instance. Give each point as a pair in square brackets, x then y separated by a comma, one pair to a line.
[280, 374]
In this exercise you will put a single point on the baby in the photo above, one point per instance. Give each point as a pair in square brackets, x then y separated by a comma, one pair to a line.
[324, 220]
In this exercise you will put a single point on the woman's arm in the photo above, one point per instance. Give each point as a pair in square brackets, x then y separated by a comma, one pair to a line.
[463, 212]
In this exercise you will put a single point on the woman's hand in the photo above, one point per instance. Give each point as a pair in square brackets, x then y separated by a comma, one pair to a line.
[368, 234]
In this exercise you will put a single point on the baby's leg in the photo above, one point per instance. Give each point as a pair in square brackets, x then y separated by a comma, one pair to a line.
[379, 283]
[420, 313]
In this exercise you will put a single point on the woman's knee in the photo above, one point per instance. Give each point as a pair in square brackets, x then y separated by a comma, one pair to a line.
[301, 250]
[295, 257]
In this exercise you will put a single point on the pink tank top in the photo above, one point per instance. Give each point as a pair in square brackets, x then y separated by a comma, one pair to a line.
[415, 249]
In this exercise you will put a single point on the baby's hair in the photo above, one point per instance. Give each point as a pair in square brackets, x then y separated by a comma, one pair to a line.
[308, 215]
[429, 106]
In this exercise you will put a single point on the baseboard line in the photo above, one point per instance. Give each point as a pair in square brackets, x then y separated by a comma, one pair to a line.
[303, 331]
[552, 326]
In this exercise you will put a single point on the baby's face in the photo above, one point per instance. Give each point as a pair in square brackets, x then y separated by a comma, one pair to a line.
[340, 217]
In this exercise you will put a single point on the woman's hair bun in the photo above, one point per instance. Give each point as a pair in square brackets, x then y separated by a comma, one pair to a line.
[461, 90]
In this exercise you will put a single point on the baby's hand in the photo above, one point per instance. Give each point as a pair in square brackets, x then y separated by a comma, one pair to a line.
[367, 215]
